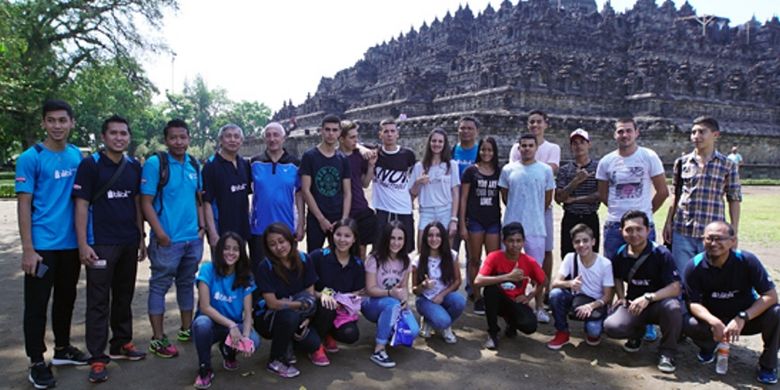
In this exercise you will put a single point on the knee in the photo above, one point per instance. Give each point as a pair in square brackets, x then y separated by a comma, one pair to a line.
[672, 308]
[491, 291]
[456, 302]
[202, 322]
[593, 328]
[557, 294]
[528, 326]
[286, 318]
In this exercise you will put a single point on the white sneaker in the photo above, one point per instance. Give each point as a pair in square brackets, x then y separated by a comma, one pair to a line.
[425, 329]
[449, 336]
[542, 316]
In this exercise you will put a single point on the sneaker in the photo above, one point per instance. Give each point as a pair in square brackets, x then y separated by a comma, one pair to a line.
[204, 378]
[542, 316]
[382, 360]
[98, 372]
[561, 338]
[479, 307]
[127, 352]
[666, 364]
[319, 358]
[491, 343]
[69, 355]
[650, 334]
[632, 345]
[705, 357]
[229, 361]
[449, 336]
[163, 348]
[331, 346]
[425, 329]
[593, 341]
[283, 370]
[40, 376]
[184, 335]
[510, 332]
[766, 376]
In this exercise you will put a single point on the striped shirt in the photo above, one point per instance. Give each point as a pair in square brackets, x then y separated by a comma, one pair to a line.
[566, 174]
[701, 201]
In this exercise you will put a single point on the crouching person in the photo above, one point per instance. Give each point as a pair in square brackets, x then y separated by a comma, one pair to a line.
[720, 285]
[581, 289]
[652, 294]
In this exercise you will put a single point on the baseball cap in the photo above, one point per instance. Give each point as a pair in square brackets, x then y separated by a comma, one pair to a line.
[580, 133]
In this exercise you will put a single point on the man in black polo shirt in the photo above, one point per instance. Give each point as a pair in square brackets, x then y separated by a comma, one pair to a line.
[226, 178]
[109, 230]
[653, 291]
[720, 284]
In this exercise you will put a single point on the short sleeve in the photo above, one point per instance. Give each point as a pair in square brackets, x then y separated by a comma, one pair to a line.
[733, 184]
[537, 273]
[549, 179]
[562, 180]
[416, 173]
[206, 273]
[617, 268]
[759, 278]
[602, 168]
[454, 173]
[468, 175]
[306, 168]
[150, 176]
[692, 284]
[86, 176]
[309, 274]
[555, 155]
[264, 278]
[503, 178]
[26, 171]
[607, 279]
[566, 265]
[346, 170]
[488, 266]
[514, 153]
[209, 181]
[371, 265]
[656, 166]
[669, 273]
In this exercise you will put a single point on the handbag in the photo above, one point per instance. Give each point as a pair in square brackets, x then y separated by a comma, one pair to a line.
[402, 333]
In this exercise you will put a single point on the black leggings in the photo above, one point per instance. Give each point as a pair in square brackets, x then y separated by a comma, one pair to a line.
[517, 315]
[323, 322]
[280, 326]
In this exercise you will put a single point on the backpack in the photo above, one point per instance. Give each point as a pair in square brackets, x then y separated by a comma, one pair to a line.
[165, 174]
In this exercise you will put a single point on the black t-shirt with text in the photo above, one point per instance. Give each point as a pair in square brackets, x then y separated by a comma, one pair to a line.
[482, 204]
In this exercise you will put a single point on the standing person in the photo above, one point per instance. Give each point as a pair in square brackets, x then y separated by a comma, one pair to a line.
[505, 275]
[390, 193]
[435, 280]
[276, 195]
[325, 184]
[731, 294]
[387, 280]
[109, 229]
[735, 157]
[226, 187]
[527, 190]
[583, 286]
[465, 154]
[652, 296]
[342, 278]
[50, 259]
[170, 197]
[362, 172]
[225, 288]
[480, 212]
[705, 177]
[436, 180]
[285, 282]
[577, 190]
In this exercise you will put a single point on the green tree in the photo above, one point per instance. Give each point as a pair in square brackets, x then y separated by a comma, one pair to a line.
[250, 116]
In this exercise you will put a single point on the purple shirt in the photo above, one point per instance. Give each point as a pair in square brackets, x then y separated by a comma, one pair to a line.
[358, 167]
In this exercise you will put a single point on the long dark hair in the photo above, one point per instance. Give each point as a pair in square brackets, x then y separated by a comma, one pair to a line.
[242, 269]
[492, 142]
[445, 254]
[382, 249]
[354, 250]
[445, 153]
[296, 265]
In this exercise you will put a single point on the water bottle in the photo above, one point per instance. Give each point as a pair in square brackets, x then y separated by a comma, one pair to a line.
[722, 362]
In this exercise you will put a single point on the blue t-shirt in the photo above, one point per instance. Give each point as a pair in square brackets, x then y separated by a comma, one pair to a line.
[526, 185]
[179, 216]
[273, 194]
[112, 217]
[227, 301]
[464, 157]
[49, 177]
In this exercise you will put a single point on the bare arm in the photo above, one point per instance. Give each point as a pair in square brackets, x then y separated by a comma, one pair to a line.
[308, 197]
[464, 195]
[86, 253]
[30, 257]
[139, 221]
[347, 202]
[504, 195]
[211, 226]
[661, 191]
[151, 216]
[604, 192]
[280, 304]
[548, 195]
[735, 208]
[300, 227]
[369, 175]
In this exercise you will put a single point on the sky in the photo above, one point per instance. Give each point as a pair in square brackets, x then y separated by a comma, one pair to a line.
[273, 51]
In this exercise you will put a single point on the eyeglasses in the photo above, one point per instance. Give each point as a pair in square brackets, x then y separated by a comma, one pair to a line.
[716, 238]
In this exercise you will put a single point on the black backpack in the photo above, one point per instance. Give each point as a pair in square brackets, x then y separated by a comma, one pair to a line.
[164, 176]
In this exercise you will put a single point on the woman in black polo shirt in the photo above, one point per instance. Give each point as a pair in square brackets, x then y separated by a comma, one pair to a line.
[285, 281]
[341, 278]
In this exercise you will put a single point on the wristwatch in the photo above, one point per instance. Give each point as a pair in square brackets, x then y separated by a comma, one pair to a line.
[743, 315]
[649, 296]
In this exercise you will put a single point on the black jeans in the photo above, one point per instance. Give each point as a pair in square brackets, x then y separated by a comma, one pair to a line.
[569, 220]
[323, 322]
[768, 324]
[279, 326]
[383, 217]
[109, 298]
[62, 275]
[517, 315]
[315, 237]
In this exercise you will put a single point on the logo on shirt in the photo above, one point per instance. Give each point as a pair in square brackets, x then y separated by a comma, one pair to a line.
[640, 282]
[724, 294]
[193, 176]
[76, 187]
[119, 194]
[238, 187]
[218, 296]
[63, 173]
[21, 179]
[391, 178]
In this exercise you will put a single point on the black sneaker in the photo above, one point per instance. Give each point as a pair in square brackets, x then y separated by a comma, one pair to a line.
[632, 345]
[666, 364]
[40, 376]
[479, 307]
[382, 359]
[69, 355]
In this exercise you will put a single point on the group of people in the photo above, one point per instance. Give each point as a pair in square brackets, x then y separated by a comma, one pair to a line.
[94, 211]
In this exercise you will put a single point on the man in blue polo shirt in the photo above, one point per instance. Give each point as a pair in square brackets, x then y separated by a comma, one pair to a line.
[176, 242]
[731, 294]
[226, 187]
[44, 180]
[109, 228]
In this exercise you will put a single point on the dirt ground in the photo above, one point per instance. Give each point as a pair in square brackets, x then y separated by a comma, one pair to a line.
[522, 362]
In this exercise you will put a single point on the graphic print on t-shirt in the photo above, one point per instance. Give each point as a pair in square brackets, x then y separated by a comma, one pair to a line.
[486, 191]
[628, 182]
[327, 180]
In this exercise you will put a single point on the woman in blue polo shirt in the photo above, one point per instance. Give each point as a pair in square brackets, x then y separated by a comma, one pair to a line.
[285, 280]
[341, 278]
[225, 288]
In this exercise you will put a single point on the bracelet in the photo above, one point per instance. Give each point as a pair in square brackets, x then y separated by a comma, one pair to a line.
[454, 219]
[328, 291]
[601, 301]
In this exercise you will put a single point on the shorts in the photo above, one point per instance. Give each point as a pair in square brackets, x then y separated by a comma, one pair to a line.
[534, 247]
[475, 227]
[441, 214]
[549, 239]
[367, 226]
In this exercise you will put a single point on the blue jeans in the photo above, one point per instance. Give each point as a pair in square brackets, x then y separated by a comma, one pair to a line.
[560, 303]
[684, 248]
[613, 238]
[380, 311]
[177, 261]
[206, 332]
[441, 316]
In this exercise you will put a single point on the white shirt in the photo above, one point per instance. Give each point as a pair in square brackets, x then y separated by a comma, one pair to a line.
[438, 191]
[526, 186]
[547, 152]
[630, 181]
[434, 273]
[594, 278]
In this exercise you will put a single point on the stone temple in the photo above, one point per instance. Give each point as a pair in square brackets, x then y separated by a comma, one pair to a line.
[661, 64]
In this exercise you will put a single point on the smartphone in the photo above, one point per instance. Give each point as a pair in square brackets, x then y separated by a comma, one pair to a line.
[40, 270]
[99, 264]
